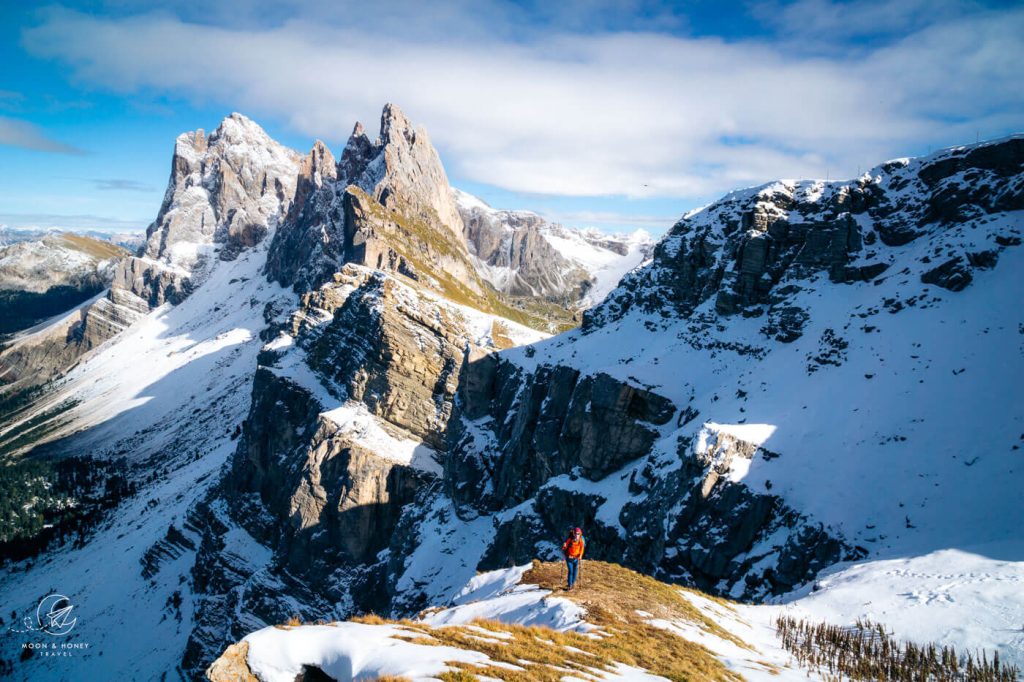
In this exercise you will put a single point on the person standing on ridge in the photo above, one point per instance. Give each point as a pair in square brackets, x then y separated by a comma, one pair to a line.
[573, 549]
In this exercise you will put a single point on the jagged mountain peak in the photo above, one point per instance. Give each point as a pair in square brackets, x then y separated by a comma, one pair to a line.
[238, 126]
[228, 188]
[394, 122]
[234, 129]
[319, 157]
[357, 154]
[403, 171]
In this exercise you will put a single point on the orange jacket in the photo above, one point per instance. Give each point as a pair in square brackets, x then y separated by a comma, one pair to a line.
[573, 548]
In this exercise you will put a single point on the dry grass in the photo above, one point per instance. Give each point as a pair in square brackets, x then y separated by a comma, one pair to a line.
[93, 247]
[500, 336]
[372, 619]
[612, 595]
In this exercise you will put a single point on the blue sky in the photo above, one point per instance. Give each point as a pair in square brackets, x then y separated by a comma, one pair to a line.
[612, 114]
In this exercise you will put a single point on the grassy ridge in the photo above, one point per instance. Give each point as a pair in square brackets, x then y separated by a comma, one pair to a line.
[611, 595]
[97, 248]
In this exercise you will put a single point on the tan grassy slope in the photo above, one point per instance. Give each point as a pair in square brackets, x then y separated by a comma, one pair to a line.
[611, 595]
[96, 248]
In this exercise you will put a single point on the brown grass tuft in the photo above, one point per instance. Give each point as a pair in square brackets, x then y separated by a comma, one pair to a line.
[612, 595]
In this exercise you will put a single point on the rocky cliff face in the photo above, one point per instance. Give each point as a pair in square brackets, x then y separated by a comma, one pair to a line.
[229, 188]
[546, 444]
[516, 258]
[522, 254]
[226, 192]
[350, 407]
[401, 170]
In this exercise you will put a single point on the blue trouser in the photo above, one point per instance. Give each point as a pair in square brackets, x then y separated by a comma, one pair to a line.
[574, 569]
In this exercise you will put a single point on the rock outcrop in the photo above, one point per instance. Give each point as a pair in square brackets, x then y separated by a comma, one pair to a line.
[348, 419]
[543, 424]
[310, 246]
[336, 480]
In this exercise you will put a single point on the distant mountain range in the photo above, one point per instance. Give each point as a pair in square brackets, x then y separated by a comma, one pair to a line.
[127, 240]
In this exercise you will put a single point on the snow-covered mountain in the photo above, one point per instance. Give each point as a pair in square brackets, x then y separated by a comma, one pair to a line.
[811, 364]
[42, 277]
[522, 254]
[808, 396]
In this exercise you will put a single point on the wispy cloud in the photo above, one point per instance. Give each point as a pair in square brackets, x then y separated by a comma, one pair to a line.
[121, 185]
[11, 100]
[827, 24]
[17, 133]
[566, 112]
[47, 221]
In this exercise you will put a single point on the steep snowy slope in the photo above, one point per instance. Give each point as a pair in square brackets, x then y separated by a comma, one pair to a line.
[225, 193]
[606, 257]
[841, 368]
[168, 394]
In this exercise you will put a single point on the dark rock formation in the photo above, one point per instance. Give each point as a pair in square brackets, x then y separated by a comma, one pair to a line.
[542, 425]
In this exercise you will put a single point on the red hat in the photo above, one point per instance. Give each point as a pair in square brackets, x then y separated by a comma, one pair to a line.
[577, 530]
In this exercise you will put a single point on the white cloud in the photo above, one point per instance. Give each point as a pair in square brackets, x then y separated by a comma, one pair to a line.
[634, 113]
[610, 219]
[52, 221]
[17, 133]
[121, 185]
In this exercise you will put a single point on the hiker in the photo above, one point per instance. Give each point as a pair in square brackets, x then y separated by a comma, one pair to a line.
[573, 549]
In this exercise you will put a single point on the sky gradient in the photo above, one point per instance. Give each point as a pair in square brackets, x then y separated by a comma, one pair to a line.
[611, 114]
